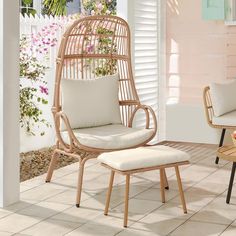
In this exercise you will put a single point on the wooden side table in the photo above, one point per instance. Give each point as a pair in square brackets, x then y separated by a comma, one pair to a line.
[228, 153]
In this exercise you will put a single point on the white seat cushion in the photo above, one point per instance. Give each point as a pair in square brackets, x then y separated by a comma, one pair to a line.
[223, 97]
[228, 119]
[143, 157]
[110, 136]
[90, 103]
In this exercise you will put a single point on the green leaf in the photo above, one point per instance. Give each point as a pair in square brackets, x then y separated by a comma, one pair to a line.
[27, 2]
[32, 12]
[44, 101]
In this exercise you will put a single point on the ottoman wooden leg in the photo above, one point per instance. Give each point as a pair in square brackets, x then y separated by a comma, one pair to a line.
[126, 200]
[180, 189]
[109, 192]
[162, 185]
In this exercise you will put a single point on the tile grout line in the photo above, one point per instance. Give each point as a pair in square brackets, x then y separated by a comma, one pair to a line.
[227, 227]
[201, 207]
[40, 221]
[56, 178]
[63, 210]
[15, 212]
[70, 206]
[118, 204]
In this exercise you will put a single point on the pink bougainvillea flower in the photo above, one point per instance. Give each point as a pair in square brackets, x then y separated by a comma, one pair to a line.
[100, 6]
[43, 89]
[90, 48]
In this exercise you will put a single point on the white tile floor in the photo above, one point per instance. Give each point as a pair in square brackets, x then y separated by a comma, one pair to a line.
[48, 209]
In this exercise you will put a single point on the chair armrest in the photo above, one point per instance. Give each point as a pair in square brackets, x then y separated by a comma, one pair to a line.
[61, 116]
[148, 110]
[209, 112]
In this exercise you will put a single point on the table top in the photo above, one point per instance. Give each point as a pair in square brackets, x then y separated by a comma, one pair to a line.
[227, 153]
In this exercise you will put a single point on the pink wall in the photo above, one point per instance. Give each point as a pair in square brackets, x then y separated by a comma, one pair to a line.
[198, 52]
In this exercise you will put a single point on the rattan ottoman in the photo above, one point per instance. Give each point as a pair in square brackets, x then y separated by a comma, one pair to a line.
[128, 162]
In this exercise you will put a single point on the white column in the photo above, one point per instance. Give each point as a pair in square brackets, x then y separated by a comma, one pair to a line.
[9, 108]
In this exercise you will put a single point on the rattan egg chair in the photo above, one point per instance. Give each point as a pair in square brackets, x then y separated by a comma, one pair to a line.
[76, 61]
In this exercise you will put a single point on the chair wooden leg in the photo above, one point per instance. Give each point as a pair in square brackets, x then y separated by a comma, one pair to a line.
[180, 189]
[162, 186]
[165, 180]
[51, 167]
[109, 192]
[126, 200]
[80, 181]
[221, 143]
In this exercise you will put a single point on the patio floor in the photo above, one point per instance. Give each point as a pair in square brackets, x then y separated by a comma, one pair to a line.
[49, 209]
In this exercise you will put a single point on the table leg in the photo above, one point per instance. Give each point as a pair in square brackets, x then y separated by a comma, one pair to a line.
[231, 182]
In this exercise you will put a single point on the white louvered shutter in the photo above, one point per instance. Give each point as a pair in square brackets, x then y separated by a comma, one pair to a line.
[145, 33]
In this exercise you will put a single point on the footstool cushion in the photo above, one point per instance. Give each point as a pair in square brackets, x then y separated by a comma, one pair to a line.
[143, 157]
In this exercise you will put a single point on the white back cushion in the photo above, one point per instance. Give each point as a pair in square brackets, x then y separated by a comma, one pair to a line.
[91, 103]
[223, 97]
